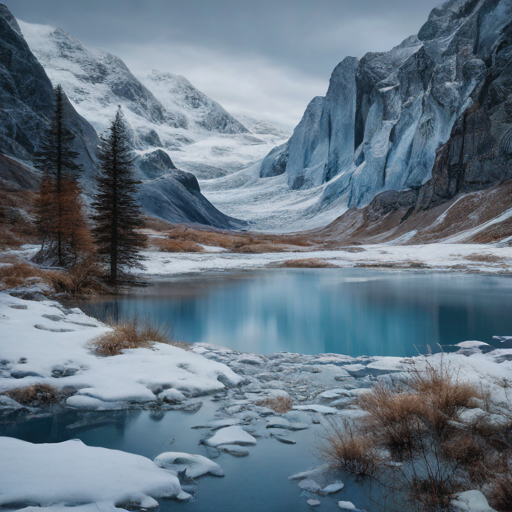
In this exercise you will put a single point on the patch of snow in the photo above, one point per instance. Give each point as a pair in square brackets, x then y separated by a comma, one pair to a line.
[471, 501]
[102, 382]
[231, 435]
[322, 409]
[193, 465]
[69, 473]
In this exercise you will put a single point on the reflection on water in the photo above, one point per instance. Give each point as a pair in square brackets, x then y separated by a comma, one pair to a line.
[347, 311]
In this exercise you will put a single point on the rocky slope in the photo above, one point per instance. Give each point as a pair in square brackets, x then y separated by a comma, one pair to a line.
[385, 116]
[26, 98]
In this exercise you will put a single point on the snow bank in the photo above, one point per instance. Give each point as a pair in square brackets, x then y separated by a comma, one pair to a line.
[440, 256]
[72, 473]
[59, 359]
[193, 465]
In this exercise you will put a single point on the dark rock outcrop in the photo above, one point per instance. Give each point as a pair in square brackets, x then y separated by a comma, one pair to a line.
[176, 196]
[26, 99]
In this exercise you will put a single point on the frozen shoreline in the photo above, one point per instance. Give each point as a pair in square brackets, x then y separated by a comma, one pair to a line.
[44, 342]
[481, 258]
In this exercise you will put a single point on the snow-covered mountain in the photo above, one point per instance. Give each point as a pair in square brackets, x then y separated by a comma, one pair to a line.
[163, 110]
[26, 108]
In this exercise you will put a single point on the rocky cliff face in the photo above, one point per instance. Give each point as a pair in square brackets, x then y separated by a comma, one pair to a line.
[26, 99]
[385, 116]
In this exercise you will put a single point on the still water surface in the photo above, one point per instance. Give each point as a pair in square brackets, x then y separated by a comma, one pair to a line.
[256, 483]
[347, 311]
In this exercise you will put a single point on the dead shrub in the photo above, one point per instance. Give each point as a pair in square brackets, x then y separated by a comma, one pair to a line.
[171, 245]
[279, 404]
[484, 258]
[441, 386]
[395, 417]
[307, 263]
[345, 449]
[16, 274]
[43, 394]
[416, 419]
[134, 333]
[501, 493]
[84, 278]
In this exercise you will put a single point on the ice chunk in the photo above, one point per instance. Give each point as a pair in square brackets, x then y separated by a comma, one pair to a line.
[322, 409]
[346, 505]
[309, 485]
[333, 488]
[193, 465]
[231, 435]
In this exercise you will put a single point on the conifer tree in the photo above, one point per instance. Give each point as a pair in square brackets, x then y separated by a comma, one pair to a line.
[117, 215]
[60, 221]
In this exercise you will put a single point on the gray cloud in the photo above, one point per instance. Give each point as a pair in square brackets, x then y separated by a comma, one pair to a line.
[263, 57]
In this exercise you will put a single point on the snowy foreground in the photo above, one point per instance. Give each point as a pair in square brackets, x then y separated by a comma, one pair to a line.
[43, 342]
[453, 257]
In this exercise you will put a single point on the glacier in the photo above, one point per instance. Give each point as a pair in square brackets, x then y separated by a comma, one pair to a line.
[431, 118]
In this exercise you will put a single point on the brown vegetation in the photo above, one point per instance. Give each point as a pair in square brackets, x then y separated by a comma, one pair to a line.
[171, 245]
[239, 242]
[307, 263]
[350, 451]
[84, 278]
[501, 493]
[16, 226]
[16, 274]
[416, 420]
[43, 394]
[134, 333]
[484, 258]
[279, 404]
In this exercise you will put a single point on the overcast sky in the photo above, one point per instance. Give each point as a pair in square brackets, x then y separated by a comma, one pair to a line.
[266, 57]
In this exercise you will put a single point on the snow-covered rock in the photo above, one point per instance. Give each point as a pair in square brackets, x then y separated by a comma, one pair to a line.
[71, 472]
[322, 409]
[231, 435]
[471, 501]
[346, 505]
[103, 382]
[193, 465]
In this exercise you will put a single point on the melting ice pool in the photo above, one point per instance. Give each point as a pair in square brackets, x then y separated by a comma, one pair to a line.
[255, 483]
[347, 311]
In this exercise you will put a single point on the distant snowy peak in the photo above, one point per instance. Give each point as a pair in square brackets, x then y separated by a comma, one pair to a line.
[261, 126]
[94, 80]
[178, 95]
[97, 82]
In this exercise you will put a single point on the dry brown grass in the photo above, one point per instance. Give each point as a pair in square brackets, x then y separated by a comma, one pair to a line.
[501, 493]
[170, 245]
[345, 449]
[43, 394]
[416, 419]
[182, 238]
[134, 333]
[17, 273]
[484, 258]
[82, 279]
[85, 278]
[279, 404]
[307, 263]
